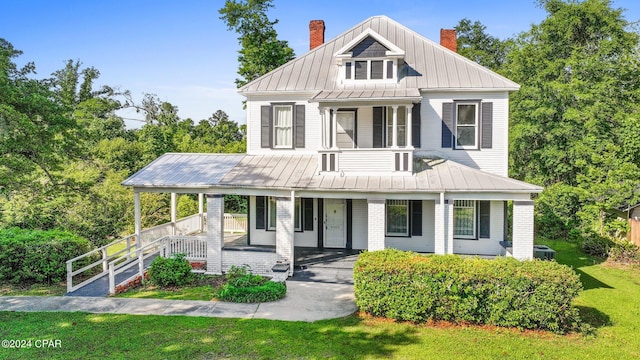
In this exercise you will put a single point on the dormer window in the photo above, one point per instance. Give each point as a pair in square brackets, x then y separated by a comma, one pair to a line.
[369, 57]
[369, 70]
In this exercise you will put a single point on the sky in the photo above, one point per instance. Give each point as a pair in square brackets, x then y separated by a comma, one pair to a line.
[181, 51]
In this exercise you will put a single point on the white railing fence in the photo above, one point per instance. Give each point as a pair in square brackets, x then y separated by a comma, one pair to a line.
[235, 223]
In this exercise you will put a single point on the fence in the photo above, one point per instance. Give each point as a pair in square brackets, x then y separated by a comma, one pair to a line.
[235, 223]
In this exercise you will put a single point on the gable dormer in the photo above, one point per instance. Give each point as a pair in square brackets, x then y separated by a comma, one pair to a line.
[369, 58]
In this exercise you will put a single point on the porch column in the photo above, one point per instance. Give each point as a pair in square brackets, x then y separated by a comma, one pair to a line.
[285, 230]
[443, 231]
[334, 128]
[215, 233]
[136, 215]
[324, 139]
[394, 128]
[174, 213]
[375, 224]
[523, 230]
[408, 131]
[201, 210]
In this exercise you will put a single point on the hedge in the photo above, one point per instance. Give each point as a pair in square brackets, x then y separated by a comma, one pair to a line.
[39, 256]
[503, 292]
[171, 271]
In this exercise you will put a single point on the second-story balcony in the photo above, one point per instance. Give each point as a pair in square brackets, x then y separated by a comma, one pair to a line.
[367, 139]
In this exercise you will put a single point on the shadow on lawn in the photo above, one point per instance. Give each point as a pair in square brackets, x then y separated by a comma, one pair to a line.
[594, 317]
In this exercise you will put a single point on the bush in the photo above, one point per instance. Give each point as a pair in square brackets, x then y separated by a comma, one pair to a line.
[245, 287]
[171, 271]
[37, 256]
[624, 251]
[502, 292]
[596, 245]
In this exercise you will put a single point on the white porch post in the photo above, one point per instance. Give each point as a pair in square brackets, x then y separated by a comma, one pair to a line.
[375, 224]
[324, 135]
[394, 128]
[408, 132]
[285, 209]
[443, 226]
[174, 213]
[334, 128]
[523, 230]
[215, 233]
[201, 210]
[137, 222]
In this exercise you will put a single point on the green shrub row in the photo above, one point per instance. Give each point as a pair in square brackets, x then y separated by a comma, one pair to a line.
[38, 256]
[503, 292]
[170, 271]
[245, 287]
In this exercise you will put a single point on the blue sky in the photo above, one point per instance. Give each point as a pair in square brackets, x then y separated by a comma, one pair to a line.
[181, 50]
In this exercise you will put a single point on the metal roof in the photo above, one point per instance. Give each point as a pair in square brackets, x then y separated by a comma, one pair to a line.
[368, 95]
[428, 66]
[184, 170]
[300, 172]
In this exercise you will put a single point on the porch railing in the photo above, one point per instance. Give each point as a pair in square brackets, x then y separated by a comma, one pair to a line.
[235, 223]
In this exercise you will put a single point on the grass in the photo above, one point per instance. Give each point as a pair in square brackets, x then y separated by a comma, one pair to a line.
[609, 303]
[33, 290]
[203, 288]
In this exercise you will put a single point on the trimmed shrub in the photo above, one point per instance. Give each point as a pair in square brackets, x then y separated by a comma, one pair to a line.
[38, 256]
[596, 245]
[245, 287]
[503, 292]
[171, 271]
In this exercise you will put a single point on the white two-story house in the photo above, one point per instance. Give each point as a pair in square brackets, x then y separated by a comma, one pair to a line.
[378, 138]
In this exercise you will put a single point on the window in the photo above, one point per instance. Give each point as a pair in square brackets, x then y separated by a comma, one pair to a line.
[345, 133]
[402, 126]
[369, 70]
[283, 126]
[466, 125]
[464, 219]
[272, 214]
[397, 217]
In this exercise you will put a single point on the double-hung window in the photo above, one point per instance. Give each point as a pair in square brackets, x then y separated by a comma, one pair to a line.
[272, 214]
[464, 219]
[397, 217]
[466, 125]
[283, 126]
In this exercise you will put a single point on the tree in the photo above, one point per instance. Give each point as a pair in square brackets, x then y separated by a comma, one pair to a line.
[475, 44]
[573, 118]
[260, 50]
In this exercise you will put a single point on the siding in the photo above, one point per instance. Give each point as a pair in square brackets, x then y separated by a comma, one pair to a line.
[494, 160]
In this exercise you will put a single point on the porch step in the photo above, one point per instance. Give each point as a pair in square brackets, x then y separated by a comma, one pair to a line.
[280, 272]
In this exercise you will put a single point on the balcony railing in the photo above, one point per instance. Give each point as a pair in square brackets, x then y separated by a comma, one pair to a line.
[382, 160]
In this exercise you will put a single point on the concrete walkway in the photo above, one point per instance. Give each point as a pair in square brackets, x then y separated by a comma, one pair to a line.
[305, 301]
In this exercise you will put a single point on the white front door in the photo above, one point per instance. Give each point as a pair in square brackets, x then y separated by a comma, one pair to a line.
[334, 224]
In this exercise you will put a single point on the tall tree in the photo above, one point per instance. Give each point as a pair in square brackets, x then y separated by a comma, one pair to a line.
[572, 119]
[476, 44]
[260, 50]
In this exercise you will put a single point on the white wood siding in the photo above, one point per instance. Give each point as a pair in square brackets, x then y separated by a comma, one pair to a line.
[494, 160]
[424, 243]
[312, 124]
[485, 246]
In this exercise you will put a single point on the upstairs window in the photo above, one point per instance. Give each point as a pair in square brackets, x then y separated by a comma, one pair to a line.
[466, 125]
[369, 70]
[283, 126]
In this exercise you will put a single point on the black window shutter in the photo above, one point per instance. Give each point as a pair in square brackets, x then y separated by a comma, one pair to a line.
[486, 141]
[307, 214]
[415, 125]
[261, 212]
[484, 210]
[300, 114]
[265, 126]
[378, 127]
[447, 125]
[416, 217]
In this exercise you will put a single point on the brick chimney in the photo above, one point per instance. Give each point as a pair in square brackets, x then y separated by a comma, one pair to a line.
[448, 39]
[316, 33]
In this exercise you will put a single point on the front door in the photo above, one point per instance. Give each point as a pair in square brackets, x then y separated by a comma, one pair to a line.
[334, 224]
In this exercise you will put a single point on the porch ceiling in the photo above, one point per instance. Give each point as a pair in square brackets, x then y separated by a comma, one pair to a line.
[300, 172]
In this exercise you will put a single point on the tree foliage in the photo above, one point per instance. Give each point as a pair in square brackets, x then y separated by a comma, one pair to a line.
[260, 50]
[475, 44]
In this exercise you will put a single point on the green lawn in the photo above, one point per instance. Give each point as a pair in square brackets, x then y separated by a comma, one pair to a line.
[203, 288]
[609, 302]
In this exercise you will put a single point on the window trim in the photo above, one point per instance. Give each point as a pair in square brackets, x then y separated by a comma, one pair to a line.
[407, 216]
[476, 126]
[291, 126]
[473, 206]
[385, 70]
[297, 214]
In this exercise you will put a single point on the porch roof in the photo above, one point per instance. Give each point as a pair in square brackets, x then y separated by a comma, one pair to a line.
[356, 95]
[301, 172]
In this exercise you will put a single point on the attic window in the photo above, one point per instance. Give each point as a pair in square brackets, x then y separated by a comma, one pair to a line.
[369, 70]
